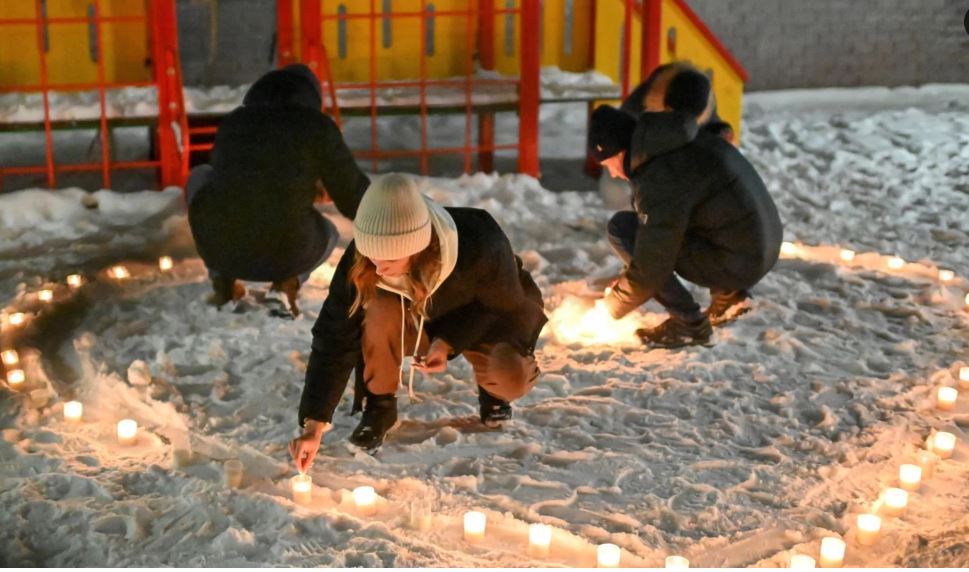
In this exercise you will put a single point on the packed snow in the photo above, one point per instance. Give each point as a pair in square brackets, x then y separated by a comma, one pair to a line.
[741, 454]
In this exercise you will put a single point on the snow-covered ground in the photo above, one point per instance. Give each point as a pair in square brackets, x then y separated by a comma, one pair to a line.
[740, 454]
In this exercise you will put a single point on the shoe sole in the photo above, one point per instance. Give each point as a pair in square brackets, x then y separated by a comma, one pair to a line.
[372, 450]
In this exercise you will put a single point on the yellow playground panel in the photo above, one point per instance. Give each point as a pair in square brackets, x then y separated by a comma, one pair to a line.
[683, 36]
[72, 44]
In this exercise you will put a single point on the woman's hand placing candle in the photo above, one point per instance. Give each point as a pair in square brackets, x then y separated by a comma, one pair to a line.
[304, 448]
[436, 359]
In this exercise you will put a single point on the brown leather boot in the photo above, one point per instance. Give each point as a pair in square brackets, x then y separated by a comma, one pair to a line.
[225, 290]
[289, 288]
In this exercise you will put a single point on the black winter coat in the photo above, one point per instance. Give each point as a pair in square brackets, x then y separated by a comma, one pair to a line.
[488, 297]
[708, 215]
[257, 220]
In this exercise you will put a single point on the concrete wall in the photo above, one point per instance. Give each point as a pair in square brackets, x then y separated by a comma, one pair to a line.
[819, 43]
[782, 43]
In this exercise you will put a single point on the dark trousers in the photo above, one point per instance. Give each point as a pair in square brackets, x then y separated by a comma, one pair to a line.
[677, 300]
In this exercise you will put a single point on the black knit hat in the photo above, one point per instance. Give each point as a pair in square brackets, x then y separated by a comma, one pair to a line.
[610, 132]
[689, 91]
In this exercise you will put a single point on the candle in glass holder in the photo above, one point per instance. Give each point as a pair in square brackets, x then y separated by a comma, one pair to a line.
[943, 444]
[945, 398]
[474, 526]
[802, 561]
[539, 539]
[896, 263]
[894, 501]
[946, 275]
[10, 357]
[16, 378]
[74, 280]
[869, 525]
[127, 432]
[832, 552]
[165, 263]
[45, 295]
[421, 514]
[964, 377]
[910, 477]
[365, 500]
[608, 556]
[927, 462]
[119, 272]
[182, 457]
[847, 256]
[302, 489]
[17, 318]
[73, 411]
[788, 249]
[232, 471]
[967, 299]
[677, 562]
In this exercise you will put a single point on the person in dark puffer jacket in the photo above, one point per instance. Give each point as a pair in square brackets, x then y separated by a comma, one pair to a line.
[252, 211]
[701, 211]
[423, 280]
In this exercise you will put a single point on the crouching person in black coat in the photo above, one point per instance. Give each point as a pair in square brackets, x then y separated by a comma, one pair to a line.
[422, 280]
[701, 211]
[252, 210]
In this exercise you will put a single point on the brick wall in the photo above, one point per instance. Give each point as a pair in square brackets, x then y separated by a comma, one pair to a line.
[782, 43]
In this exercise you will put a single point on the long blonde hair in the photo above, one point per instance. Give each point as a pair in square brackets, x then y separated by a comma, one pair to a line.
[424, 269]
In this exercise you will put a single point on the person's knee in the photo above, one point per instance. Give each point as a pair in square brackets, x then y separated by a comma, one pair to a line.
[513, 374]
[382, 313]
[623, 223]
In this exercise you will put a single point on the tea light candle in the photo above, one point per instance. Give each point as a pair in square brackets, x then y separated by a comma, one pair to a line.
[846, 256]
[832, 552]
[967, 299]
[895, 500]
[964, 377]
[119, 272]
[677, 562]
[802, 561]
[539, 539]
[11, 357]
[302, 489]
[73, 411]
[421, 516]
[943, 444]
[945, 398]
[16, 378]
[910, 477]
[869, 526]
[45, 295]
[788, 249]
[896, 263]
[74, 280]
[366, 500]
[232, 471]
[927, 462]
[127, 432]
[608, 556]
[474, 526]
[165, 263]
[946, 275]
[17, 319]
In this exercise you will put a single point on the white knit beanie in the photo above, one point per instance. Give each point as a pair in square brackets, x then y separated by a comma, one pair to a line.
[392, 221]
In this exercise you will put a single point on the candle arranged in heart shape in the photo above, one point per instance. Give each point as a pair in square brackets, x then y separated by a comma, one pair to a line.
[16, 378]
[45, 295]
[946, 275]
[539, 539]
[802, 561]
[869, 525]
[474, 526]
[847, 256]
[964, 377]
[165, 263]
[608, 556]
[365, 499]
[74, 280]
[302, 489]
[17, 318]
[832, 552]
[127, 432]
[943, 444]
[945, 398]
[73, 411]
[10, 357]
[119, 272]
[677, 562]
[910, 477]
[895, 501]
[896, 263]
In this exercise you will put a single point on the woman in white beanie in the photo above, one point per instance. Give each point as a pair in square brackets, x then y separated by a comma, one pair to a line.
[422, 280]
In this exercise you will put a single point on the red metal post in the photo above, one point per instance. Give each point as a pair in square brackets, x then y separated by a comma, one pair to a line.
[105, 149]
[530, 86]
[652, 35]
[627, 47]
[284, 33]
[592, 168]
[172, 147]
[423, 88]
[311, 25]
[48, 138]
[468, 84]
[486, 59]
[374, 134]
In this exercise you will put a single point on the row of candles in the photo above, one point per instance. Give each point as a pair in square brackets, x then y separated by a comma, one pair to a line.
[894, 263]
[832, 549]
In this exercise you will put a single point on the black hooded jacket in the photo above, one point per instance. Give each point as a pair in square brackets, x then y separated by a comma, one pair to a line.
[257, 220]
[488, 297]
[708, 215]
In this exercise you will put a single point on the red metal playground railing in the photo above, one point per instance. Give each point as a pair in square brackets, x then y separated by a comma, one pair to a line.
[170, 127]
[472, 93]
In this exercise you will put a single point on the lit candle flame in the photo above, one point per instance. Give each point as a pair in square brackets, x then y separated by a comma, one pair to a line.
[16, 377]
[677, 562]
[365, 498]
[896, 263]
[946, 398]
[575, 322]
[788, 249]
[10, 357]
[475, 524]
[539, 539]
[45, 295]
[847, 255]
[608, 556]
[946, 275]
[127, 431]
[120, 272]
[73, 410]
[17, 319]
[74, 280]
[165, 263]
[802, 561]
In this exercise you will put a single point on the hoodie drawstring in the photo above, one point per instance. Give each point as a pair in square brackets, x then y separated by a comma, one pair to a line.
[403, 328]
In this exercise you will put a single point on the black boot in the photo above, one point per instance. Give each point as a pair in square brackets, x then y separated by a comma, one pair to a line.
[494, 411]
[727, 305]
[676, 332]
[379, 416]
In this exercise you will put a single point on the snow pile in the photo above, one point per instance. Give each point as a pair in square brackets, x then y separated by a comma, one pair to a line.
[740, 454]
